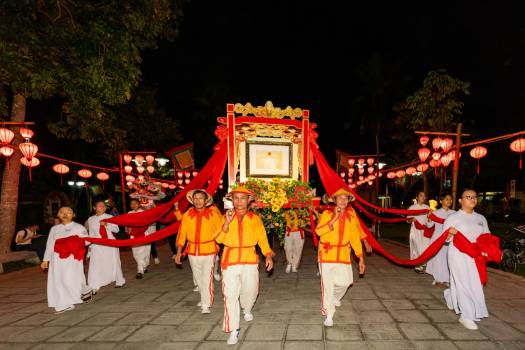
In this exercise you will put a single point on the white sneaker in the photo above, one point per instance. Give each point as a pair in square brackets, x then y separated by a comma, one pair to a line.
[294, 269]
[328, 322]
[217, 276]
[248, 317]
[199, 304]
[69, 308]
[434, 282]
[337, 302]
[205, 310]
[468, 324]
[157, 261]
[196, 289]
[288, 268]
[234, 337]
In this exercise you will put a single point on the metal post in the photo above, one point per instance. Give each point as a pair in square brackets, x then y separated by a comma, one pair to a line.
[122, 185]
[456, 166]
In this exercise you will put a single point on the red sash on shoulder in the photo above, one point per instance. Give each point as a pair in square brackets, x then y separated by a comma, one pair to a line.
[427, 231]
[72, 245]
[484, 250]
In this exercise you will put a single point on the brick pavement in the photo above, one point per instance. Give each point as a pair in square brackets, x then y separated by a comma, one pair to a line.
[391, 308]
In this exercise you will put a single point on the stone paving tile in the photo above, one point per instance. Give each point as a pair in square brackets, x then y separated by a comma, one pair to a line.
[398, 304]
[346, 332]
[12, 346]
[306, 317]
[55, 346]
[419, 331]
[390, 345]
[153, 333]
[265, 332]
[381, 332]
[136, 318]
[345, 345]
[214, 346]
[302, 345]
[434, 345]
[35, 334]
[171, 318]
[476, 345]
[191, 332]
[304, 332]
[113, 333]
[512, 345]
[368, 305]
[271, 345]
[11, 318]
[178, 346]
[433, 304]
[441, 316]
[456, 331]
[103, 318]
[71, 318]
[497, 330]
[410, 316]
[366, 317]
[76, 334]
[35, 320]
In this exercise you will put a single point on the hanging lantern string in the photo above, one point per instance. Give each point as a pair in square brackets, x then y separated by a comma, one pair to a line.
[77, 163]
[153, 178]
[493, 139]
[479, 142]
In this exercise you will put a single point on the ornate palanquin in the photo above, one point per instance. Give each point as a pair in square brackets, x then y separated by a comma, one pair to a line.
[246, 127]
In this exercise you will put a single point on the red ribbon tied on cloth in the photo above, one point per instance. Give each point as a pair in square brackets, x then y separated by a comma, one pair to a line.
[427, 231]
[485, 249]
[72, 245]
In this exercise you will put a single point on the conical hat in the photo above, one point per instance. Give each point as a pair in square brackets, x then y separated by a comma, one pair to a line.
[341, 191]
[240, 189]
[189, 196]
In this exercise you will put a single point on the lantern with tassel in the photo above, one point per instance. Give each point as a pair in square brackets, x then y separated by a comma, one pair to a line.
[423, 153]
[6, 135]
[84, 173]
[423, 140]
[61, 169]
[478, 152]
[127, 158]
[518, 146]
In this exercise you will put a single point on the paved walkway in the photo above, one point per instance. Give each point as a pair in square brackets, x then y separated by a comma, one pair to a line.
[391, 308]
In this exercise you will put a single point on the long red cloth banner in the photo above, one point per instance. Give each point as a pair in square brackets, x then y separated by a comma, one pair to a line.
[375, 217]
[160, 234]
[332, 182]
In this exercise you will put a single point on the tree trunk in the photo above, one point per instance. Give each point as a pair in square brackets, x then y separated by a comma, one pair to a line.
[10, 178]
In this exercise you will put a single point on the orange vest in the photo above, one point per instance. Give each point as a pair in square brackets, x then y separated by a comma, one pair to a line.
[198, 229]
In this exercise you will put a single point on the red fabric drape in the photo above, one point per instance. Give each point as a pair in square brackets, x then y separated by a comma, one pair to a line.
[436, 219]
[427, 231]
[332, 182]
[427, 254]
[140, 221]
[72, 245]
[375, 217]
[485, 249]
[312, 225]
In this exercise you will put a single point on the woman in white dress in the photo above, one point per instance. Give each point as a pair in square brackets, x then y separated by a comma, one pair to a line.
[66, 282]
[104, 261]
[438, 265]
[141, 253]
[418, 241]
[465, 295]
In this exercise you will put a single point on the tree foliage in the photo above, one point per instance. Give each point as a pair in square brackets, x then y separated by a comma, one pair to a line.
[86, 52]
[436, 105]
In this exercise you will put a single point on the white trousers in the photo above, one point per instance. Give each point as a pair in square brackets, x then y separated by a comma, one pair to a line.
[335, 280]
[202, 270]
[293, 246]
[141, 254]
[240, 287]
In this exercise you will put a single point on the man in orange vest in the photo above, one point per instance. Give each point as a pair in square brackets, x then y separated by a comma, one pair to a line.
[339, 232]
[198, 226]
[241, 231]
[293, 240]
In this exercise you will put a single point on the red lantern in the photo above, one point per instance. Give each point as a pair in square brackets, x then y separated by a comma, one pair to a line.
[351, 162]
[446, 144]
[84, 173]
[172, 186]
[371, 177]
[361, 171]
[446, 159]
[187, 174]
[342, 174]
[127, 158]
[102, 176]
[350, 180]
[194, 173]
[26, 133]
[180, 181]
[370, 161]
[187, 181]
[150, 159]
[128, 169]
[28, 149]
[150, 169]
[411, 170]
[423, 153]
[352, 186]
[370, 169]
[351, 171]
[140, 169]
[380, 174]
[436, 155]
[6, 135]
[423, 140]
[422, 167]
[518, 146]
[130, 178]
[61, 168]
[30, 163]
[434, 163]
[452, 154]
[139, 159]
[478, 152]
[7, 151]
[400, 173]
[140, 177]
[361, 178]
[436, 143]
[391, 174]
[361, 161]
[165, 185]
[129, 184]
[180, 174]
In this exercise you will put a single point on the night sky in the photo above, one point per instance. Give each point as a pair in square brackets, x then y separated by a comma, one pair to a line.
[331, 57]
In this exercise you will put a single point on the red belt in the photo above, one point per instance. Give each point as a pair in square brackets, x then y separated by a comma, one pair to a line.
[185, 252]
[226, 256]
[327, 246]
